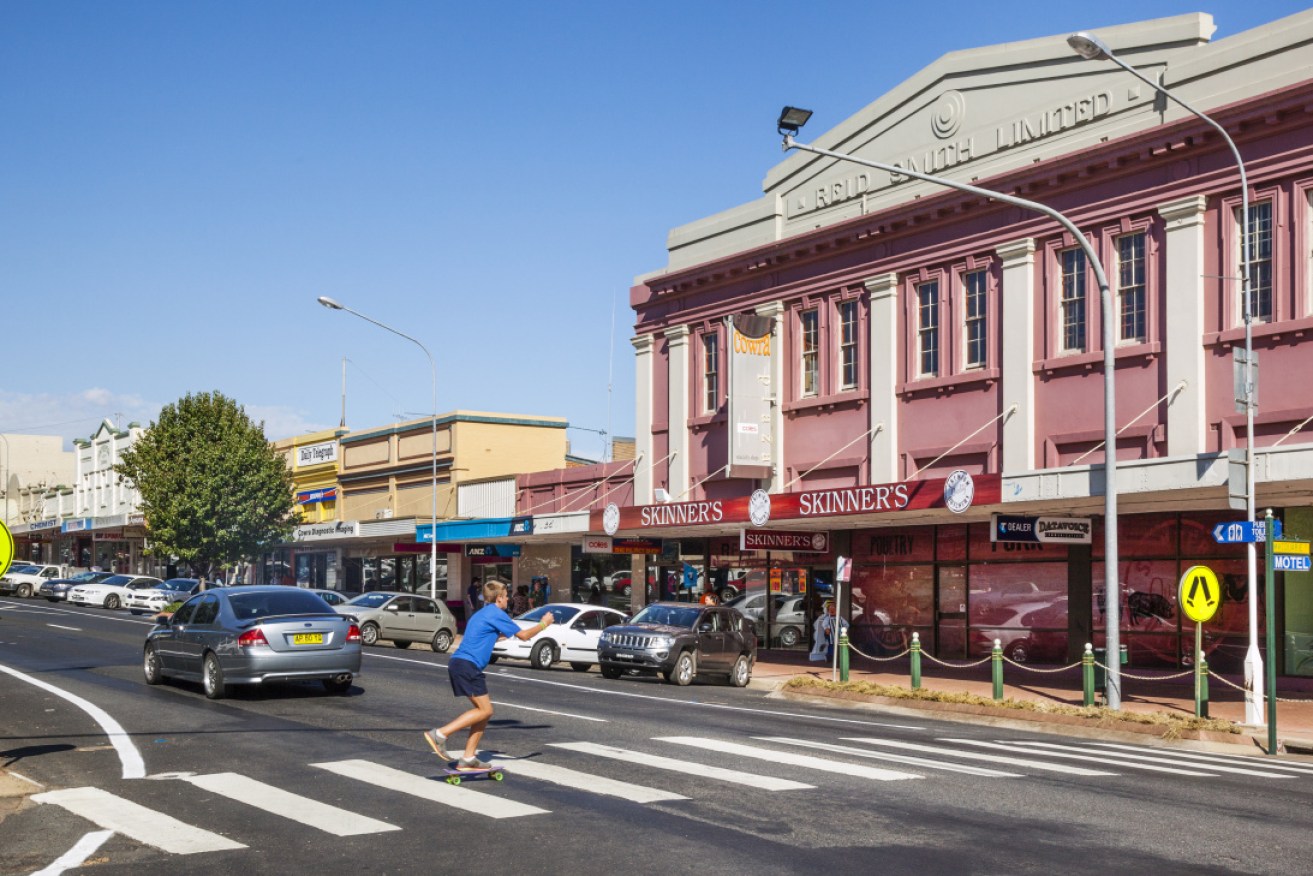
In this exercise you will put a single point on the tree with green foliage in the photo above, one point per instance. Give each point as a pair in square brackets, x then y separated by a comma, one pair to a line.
[213, 489]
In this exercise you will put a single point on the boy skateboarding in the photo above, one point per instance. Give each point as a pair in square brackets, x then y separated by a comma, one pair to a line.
[465, 669]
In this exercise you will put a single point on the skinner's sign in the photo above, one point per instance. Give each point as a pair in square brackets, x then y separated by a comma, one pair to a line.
[956, 493]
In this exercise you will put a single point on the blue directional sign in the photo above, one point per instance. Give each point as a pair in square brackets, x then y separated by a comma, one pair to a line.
[1244, 531]
[1291, 563]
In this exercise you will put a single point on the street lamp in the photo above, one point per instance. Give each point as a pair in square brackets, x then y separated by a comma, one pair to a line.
[1090, 47]
[433, 550]
[790, 120]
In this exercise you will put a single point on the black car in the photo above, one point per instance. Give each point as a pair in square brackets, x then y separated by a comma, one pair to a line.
[681, 641]
[56, 589]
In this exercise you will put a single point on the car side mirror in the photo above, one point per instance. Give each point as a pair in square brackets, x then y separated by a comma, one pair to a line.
[704, 627]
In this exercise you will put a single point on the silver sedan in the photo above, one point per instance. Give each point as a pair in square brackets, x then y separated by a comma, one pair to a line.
[402, 618]
[254, 635]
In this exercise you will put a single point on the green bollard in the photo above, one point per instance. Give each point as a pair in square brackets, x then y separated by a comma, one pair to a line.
[843, 656]
[916, 661]
[1087, 673]
[1203, 686]
[996, 659]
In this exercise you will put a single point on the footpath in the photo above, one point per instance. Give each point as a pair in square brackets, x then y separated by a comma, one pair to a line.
[1037, 690]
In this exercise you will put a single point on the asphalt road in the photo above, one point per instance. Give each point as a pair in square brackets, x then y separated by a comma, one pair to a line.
[633, 776]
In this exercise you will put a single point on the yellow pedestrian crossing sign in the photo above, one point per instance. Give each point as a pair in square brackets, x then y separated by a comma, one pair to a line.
[6, 548]
[1200, 595]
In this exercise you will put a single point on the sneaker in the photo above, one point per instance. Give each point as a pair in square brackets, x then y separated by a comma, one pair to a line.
[472, 763]
[438, 743]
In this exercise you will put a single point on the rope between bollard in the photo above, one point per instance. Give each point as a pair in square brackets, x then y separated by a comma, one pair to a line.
[1007, 659]
[852, 647]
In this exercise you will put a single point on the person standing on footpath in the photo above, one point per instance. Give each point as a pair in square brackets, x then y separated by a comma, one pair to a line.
[465, 669]
[825, 632]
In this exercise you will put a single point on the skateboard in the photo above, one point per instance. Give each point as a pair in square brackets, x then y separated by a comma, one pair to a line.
[454, 775]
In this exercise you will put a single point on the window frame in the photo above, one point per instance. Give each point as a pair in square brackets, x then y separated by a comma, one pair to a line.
[982, 319]
[928, 329]
[849, 349]
[809, 351]
[712, 368]
[1143, 285]
[1062, 299]
[1231, 314]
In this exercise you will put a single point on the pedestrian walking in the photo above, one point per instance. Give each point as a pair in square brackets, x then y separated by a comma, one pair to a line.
[465, 669]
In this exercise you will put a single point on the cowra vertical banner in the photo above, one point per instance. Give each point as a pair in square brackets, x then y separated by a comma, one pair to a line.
[750, 392]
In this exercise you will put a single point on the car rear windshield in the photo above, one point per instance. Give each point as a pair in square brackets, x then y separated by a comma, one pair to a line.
[668, 615]
[248, 606]
[117, 580]
[371, 600]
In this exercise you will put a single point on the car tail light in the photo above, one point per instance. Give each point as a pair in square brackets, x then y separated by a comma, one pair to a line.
[353, 634]
[252, 637]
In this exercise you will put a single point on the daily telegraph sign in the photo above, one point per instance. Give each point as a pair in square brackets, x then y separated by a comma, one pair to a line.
[956, 493]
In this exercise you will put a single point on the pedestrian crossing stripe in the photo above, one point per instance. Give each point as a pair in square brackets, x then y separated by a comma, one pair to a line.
[455, 796]
[702, 770]
[1300, 768]
[312, 813]
[895, 758]
[1167, 758]
[1026, 762]
[566, 777]
[790, 758]
[135, 821]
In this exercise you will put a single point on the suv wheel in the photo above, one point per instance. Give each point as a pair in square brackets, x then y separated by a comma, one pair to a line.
[609, 671]
[684, 670]
[543, 655]
[741, 674]
[25, 590]
[442, 640]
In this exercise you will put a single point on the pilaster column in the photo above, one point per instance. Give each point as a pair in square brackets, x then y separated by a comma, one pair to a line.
[677, 338]
[1017, 295]
[643, 419]
[775, 310]
[882, 335]
[1183, 325]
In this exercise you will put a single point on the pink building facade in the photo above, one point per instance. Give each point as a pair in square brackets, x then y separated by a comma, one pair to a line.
[931, 343]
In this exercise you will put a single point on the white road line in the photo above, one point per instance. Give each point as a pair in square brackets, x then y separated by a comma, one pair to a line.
[989, 758]
[329, 819]
[582, 781]
[133, 766]
[146, 826]
[896, 758]
[789, 758]
[51, 609]
[1234, 759]
[1073, 756]
[737, 777]
[433, 789]
[1146, 758]
[76, 856]
[669, 701]
[550, 712]
[62, 627]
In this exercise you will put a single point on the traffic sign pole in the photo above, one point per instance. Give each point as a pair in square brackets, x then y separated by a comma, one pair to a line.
[1270, 621]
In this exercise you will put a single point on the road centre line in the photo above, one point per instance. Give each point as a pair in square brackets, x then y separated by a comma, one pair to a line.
[146, 826]
[330, 819]
[656, 761]
[24, 608]
[430, 788]
[133, 766]
[1069, 755]
[980, 755]
[666, 700]
[789, 758]
[62, 627]
[896, 758]
[76, 856]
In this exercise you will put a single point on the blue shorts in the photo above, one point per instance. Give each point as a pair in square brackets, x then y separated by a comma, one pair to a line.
[466, 679]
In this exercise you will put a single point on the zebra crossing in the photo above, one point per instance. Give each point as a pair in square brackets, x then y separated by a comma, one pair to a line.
[583, 767]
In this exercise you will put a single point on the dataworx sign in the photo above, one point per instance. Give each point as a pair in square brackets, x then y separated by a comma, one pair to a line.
[955, 493]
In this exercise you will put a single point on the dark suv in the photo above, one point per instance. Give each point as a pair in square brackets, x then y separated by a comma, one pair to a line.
[681, 641]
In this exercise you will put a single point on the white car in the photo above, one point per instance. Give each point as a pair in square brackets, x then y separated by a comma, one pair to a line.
[571, 639]
[24, 579]
[153, 599]
[113, 592]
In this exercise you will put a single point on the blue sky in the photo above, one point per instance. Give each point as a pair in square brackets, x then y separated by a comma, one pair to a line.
[180, 181]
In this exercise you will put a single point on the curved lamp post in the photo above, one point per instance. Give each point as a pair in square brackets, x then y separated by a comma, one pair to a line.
[791, 119]
[433, 550]
[1090, 47]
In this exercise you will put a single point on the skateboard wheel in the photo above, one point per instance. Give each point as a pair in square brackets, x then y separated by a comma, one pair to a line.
[497, 777]
[453, 780]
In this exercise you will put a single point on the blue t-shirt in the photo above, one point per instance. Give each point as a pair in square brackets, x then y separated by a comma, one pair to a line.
[487, 625]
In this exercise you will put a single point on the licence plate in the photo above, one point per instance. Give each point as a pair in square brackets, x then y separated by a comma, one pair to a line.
[308, 639]
[620, 655]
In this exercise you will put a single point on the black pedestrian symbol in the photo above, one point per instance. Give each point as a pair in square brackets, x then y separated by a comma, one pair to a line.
[1200, 581]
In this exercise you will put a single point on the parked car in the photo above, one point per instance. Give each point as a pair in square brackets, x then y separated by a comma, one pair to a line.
[401, 618]
[254, 635]
[332, 597]
[113, 592]
[572, 638]
[621, 582]
[788, 615]
[56, 589]
[681, 641]
[23, 579]
[154, 600]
